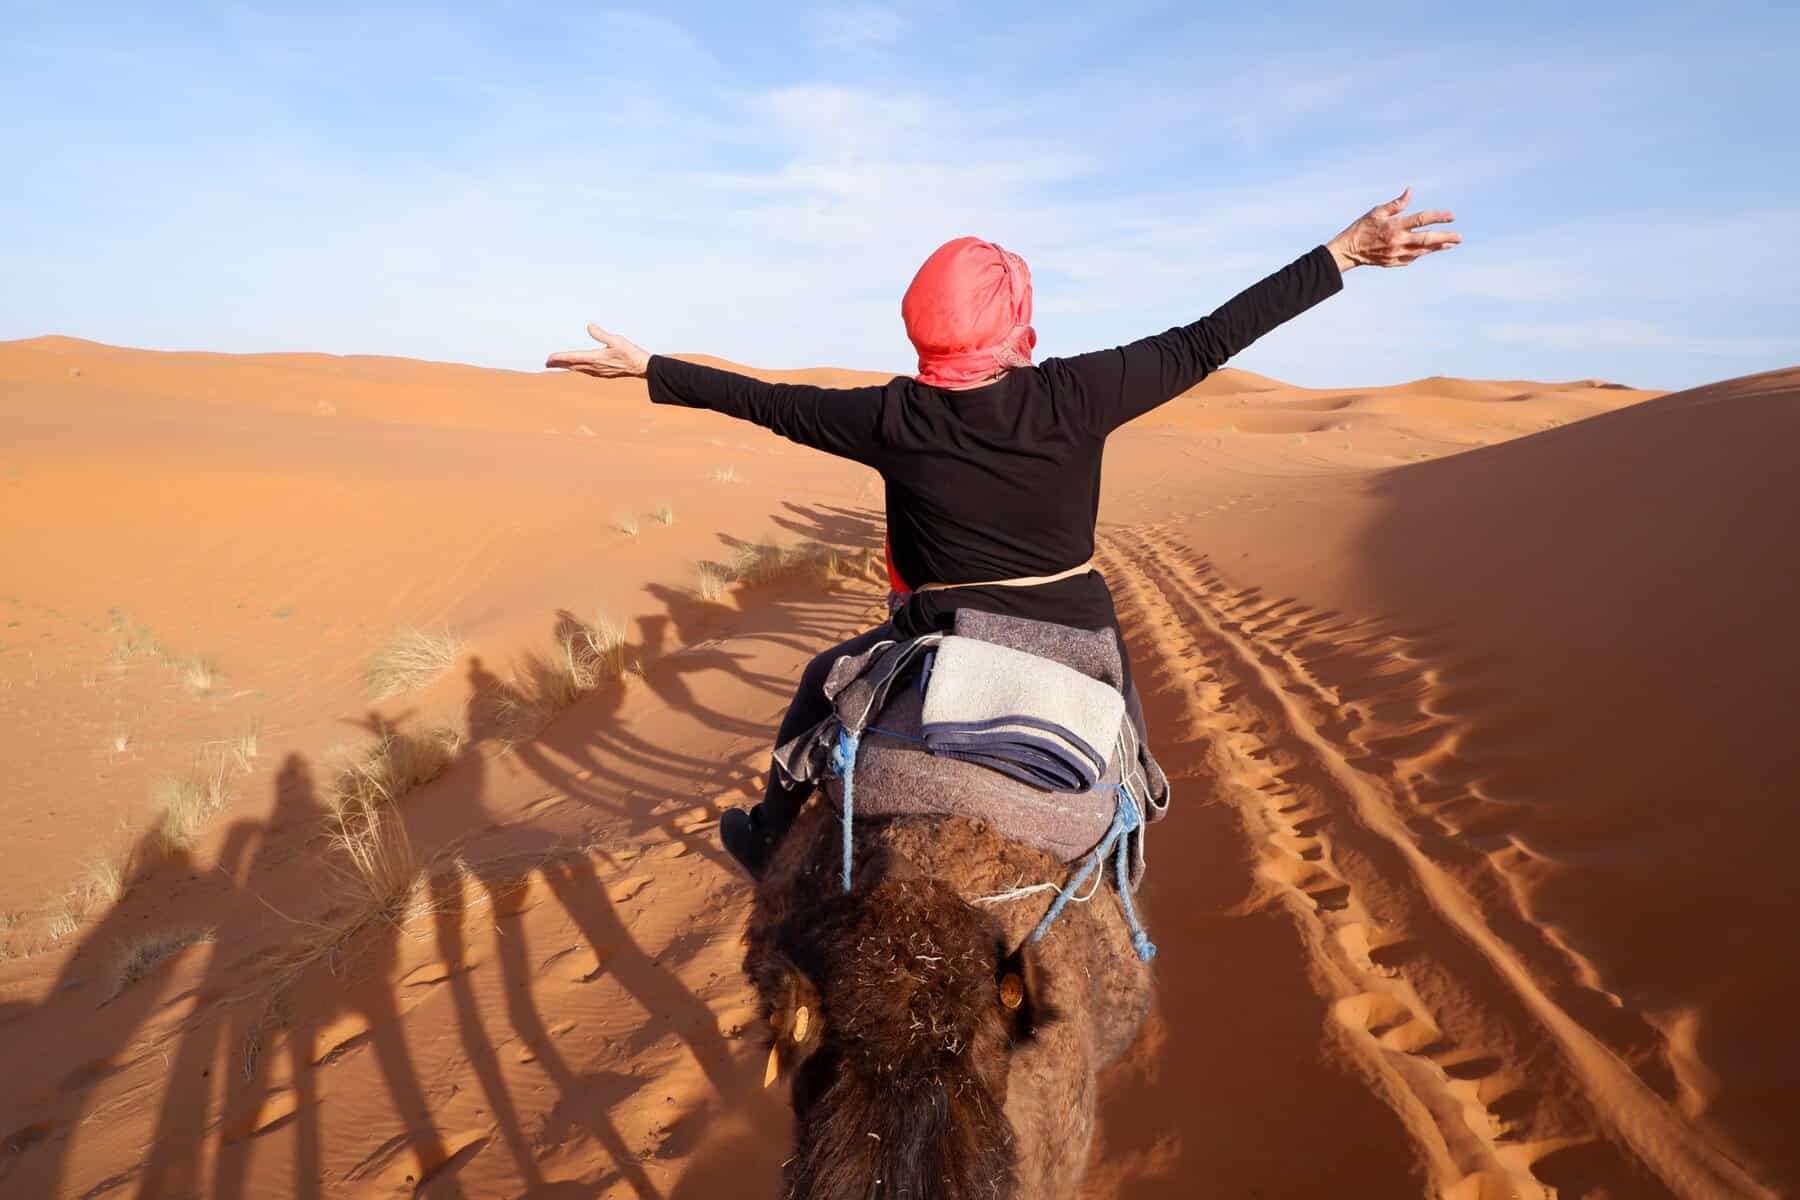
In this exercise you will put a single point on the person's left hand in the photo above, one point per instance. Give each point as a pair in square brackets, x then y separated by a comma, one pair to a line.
[617, 357]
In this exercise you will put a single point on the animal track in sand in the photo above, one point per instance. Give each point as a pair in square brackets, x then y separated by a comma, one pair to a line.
[1339, 743]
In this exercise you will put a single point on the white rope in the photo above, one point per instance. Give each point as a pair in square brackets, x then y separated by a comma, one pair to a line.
[1019, 893]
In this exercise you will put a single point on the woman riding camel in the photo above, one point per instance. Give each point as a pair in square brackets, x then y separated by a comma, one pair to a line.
[992, 464]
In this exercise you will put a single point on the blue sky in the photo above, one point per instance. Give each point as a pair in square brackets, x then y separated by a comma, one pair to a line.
[759, 181]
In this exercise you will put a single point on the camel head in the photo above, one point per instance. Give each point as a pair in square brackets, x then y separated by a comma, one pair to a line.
[896, 1010]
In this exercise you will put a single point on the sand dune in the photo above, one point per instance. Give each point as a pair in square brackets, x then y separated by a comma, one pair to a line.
[1475, 693]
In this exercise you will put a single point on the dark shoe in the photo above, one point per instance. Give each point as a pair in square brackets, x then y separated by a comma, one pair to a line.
[748, 839]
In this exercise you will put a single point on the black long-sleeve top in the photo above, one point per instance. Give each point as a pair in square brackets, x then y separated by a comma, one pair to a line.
[1002, 481]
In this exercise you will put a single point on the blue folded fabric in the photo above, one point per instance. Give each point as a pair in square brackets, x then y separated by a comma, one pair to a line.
[1030, 718]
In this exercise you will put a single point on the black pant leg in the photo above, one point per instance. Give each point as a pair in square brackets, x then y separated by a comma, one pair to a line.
[782, 800]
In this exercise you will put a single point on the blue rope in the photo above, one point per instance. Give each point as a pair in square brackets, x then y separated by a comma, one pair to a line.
[1140, 941]
[843, 760]
[1116, 843]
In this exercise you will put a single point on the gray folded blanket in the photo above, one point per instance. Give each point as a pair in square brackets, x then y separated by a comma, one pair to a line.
[876, 695]
[1026, 716]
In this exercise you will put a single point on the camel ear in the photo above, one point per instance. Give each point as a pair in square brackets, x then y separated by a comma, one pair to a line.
[1017, 992]
[796, 1024]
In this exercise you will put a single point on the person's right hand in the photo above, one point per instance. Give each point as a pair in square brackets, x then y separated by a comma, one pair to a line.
[617, 357]
[1382, 237]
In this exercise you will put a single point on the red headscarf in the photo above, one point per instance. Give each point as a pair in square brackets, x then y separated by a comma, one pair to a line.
[968, 313]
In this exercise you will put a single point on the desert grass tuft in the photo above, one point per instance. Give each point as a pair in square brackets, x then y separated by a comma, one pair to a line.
[410, 660]
[376, 878]
[393, 766]
[377, 866]
[664, 515]
[133, 639]
[106, 879]
[588, 657]
[63, 922]
[140, 956]
[120, 741]
[626, 523]
[712, 579]
[190, 799]
[767, 561]
[10, 920]
[198, 674]
[725, 475]
[243, 748]
[759, 562]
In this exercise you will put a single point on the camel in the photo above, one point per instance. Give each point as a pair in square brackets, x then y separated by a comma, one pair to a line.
[933, 1055]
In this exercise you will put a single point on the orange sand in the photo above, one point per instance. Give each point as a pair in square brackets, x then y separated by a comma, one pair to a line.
[1477, 695]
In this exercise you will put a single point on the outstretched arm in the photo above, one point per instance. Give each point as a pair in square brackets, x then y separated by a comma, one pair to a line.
[841, 421]
[1114, 386]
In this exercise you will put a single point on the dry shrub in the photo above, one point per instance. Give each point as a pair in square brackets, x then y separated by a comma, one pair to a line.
[766, 561]
[106, 879]
[133, 639]
[395, 764]
[189, 800]
[713, 579]
[197, 673]
[140, 956]
[626, 523]
[587, 657]
[62, 923]
[759, 562]
[591, 654]
[244, 749]
[664, 515]
[410, 660]
[376, 878]
[378, 868]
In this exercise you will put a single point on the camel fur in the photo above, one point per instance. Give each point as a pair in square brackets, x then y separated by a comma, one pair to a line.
[932, 1055]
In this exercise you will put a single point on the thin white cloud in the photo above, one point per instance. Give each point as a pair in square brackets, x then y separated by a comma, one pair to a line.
[857, 27]
[1608, 334]
[779, 225]
[1679, 257]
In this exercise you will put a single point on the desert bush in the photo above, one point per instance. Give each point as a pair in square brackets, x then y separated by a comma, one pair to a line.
[725, 475]
[626, 523]
[133, 639]
[138, 957]
[411, 659]
[664, 515]
[759, 562]
[106, 878]
[378, 867]
[63, 921]
[713, 578]
[587, 657]
[393, 765]
[376, 878]
[190, 799]
[243, 748]
[197, 673]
